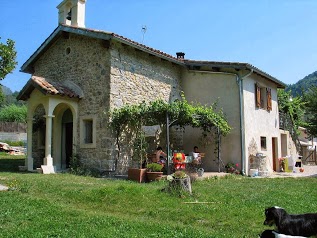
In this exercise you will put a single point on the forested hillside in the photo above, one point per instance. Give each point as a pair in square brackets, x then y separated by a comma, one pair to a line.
[302, 85]
[10, 97]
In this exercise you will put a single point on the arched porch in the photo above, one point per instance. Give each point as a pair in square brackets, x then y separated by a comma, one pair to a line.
[60, 115]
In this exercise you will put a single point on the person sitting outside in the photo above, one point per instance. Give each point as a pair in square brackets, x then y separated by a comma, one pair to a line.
[196, 156]
[160, 157]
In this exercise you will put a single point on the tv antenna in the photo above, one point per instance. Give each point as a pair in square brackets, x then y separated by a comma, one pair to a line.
[144, 28]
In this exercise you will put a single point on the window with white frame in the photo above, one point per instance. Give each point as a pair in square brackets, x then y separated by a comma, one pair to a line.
[263, 97]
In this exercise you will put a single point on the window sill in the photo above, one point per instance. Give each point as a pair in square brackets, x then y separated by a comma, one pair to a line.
[90, 145]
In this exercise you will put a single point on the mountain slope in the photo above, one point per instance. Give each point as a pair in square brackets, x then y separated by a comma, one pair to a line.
[6, 90]
[302, 85]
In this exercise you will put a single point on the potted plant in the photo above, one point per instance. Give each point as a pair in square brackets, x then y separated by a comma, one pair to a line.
[232, 168]
[282, 164]
[140, 146]
[154, 171]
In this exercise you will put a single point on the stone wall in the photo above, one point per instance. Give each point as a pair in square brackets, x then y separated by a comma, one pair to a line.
[110, 78]
[84, 61]
[137, 77]
[12, 136]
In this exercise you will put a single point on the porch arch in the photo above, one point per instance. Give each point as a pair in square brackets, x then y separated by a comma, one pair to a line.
[54, 107]
[64, 134]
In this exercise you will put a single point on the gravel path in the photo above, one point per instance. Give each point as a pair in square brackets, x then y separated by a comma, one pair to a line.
[309, 171]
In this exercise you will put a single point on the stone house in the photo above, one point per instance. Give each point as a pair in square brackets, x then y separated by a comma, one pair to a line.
[80, 74]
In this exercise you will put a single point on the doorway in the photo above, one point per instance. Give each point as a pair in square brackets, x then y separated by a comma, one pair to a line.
[67, 138]
[274, 153]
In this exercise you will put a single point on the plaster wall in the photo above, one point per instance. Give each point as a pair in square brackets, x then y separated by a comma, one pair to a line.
[209, 88]
[260, 122]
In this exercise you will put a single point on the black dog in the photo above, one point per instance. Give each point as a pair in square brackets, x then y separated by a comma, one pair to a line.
[274, 234]
[295, 225]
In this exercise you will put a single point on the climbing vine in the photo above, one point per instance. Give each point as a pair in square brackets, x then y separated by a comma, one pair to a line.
[180, 113]
[294, 107]
[128, 120]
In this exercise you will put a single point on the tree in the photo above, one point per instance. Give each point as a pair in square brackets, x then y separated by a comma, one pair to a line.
[291, 114]
[7, 58]
[311, 110]
[294, 107]
[2, 97]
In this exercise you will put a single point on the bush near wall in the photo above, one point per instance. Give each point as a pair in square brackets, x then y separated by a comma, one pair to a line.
[13, 113]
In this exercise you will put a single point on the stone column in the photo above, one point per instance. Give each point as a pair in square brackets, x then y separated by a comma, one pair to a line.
[29, 160]
[48, 160]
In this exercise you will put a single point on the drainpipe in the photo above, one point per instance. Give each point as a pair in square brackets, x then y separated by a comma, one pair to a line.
[239, 80]
[242, 131]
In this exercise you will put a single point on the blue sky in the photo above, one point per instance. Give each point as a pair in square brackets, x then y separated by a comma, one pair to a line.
[277, 36]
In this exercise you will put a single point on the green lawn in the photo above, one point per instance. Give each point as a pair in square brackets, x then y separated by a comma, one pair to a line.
[10, 163]
[65, 205]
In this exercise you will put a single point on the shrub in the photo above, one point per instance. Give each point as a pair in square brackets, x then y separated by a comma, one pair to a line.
[13, 113]
[154, 167]
[78, 168]
[14, 143]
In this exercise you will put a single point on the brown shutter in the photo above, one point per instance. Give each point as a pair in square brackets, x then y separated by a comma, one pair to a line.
[258, 95]
[269, 99]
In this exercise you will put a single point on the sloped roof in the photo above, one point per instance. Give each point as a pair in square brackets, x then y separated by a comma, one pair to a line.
[46, 88]
[98, 34]
[236, 65]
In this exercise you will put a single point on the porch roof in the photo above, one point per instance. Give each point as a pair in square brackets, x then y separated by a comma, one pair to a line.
[45, 87]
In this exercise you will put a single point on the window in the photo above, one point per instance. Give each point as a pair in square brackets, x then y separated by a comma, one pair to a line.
[268, 99]
[263, 143]
[263, 97]
[88, 132]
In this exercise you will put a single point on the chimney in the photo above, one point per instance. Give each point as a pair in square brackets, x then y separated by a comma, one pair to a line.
[180, 55]
[72, 13]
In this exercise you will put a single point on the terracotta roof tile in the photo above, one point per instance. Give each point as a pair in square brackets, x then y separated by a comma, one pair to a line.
[126, 40]
[46, 88]
[27, 66]
[54, 88]
[146, 47]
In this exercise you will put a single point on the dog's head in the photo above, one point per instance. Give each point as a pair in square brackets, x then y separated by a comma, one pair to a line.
[273, 215]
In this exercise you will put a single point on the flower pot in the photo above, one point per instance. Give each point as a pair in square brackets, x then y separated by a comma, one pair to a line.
[200, 172]
[154, 176]
[137, 174]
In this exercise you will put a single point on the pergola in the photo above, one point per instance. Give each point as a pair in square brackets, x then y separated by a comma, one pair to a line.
[130, 119]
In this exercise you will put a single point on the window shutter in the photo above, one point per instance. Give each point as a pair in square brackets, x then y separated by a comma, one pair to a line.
[258, 95]
[269, 99]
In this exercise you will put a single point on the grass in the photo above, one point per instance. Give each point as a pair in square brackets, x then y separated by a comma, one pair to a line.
[65, 205]
[10, 162]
